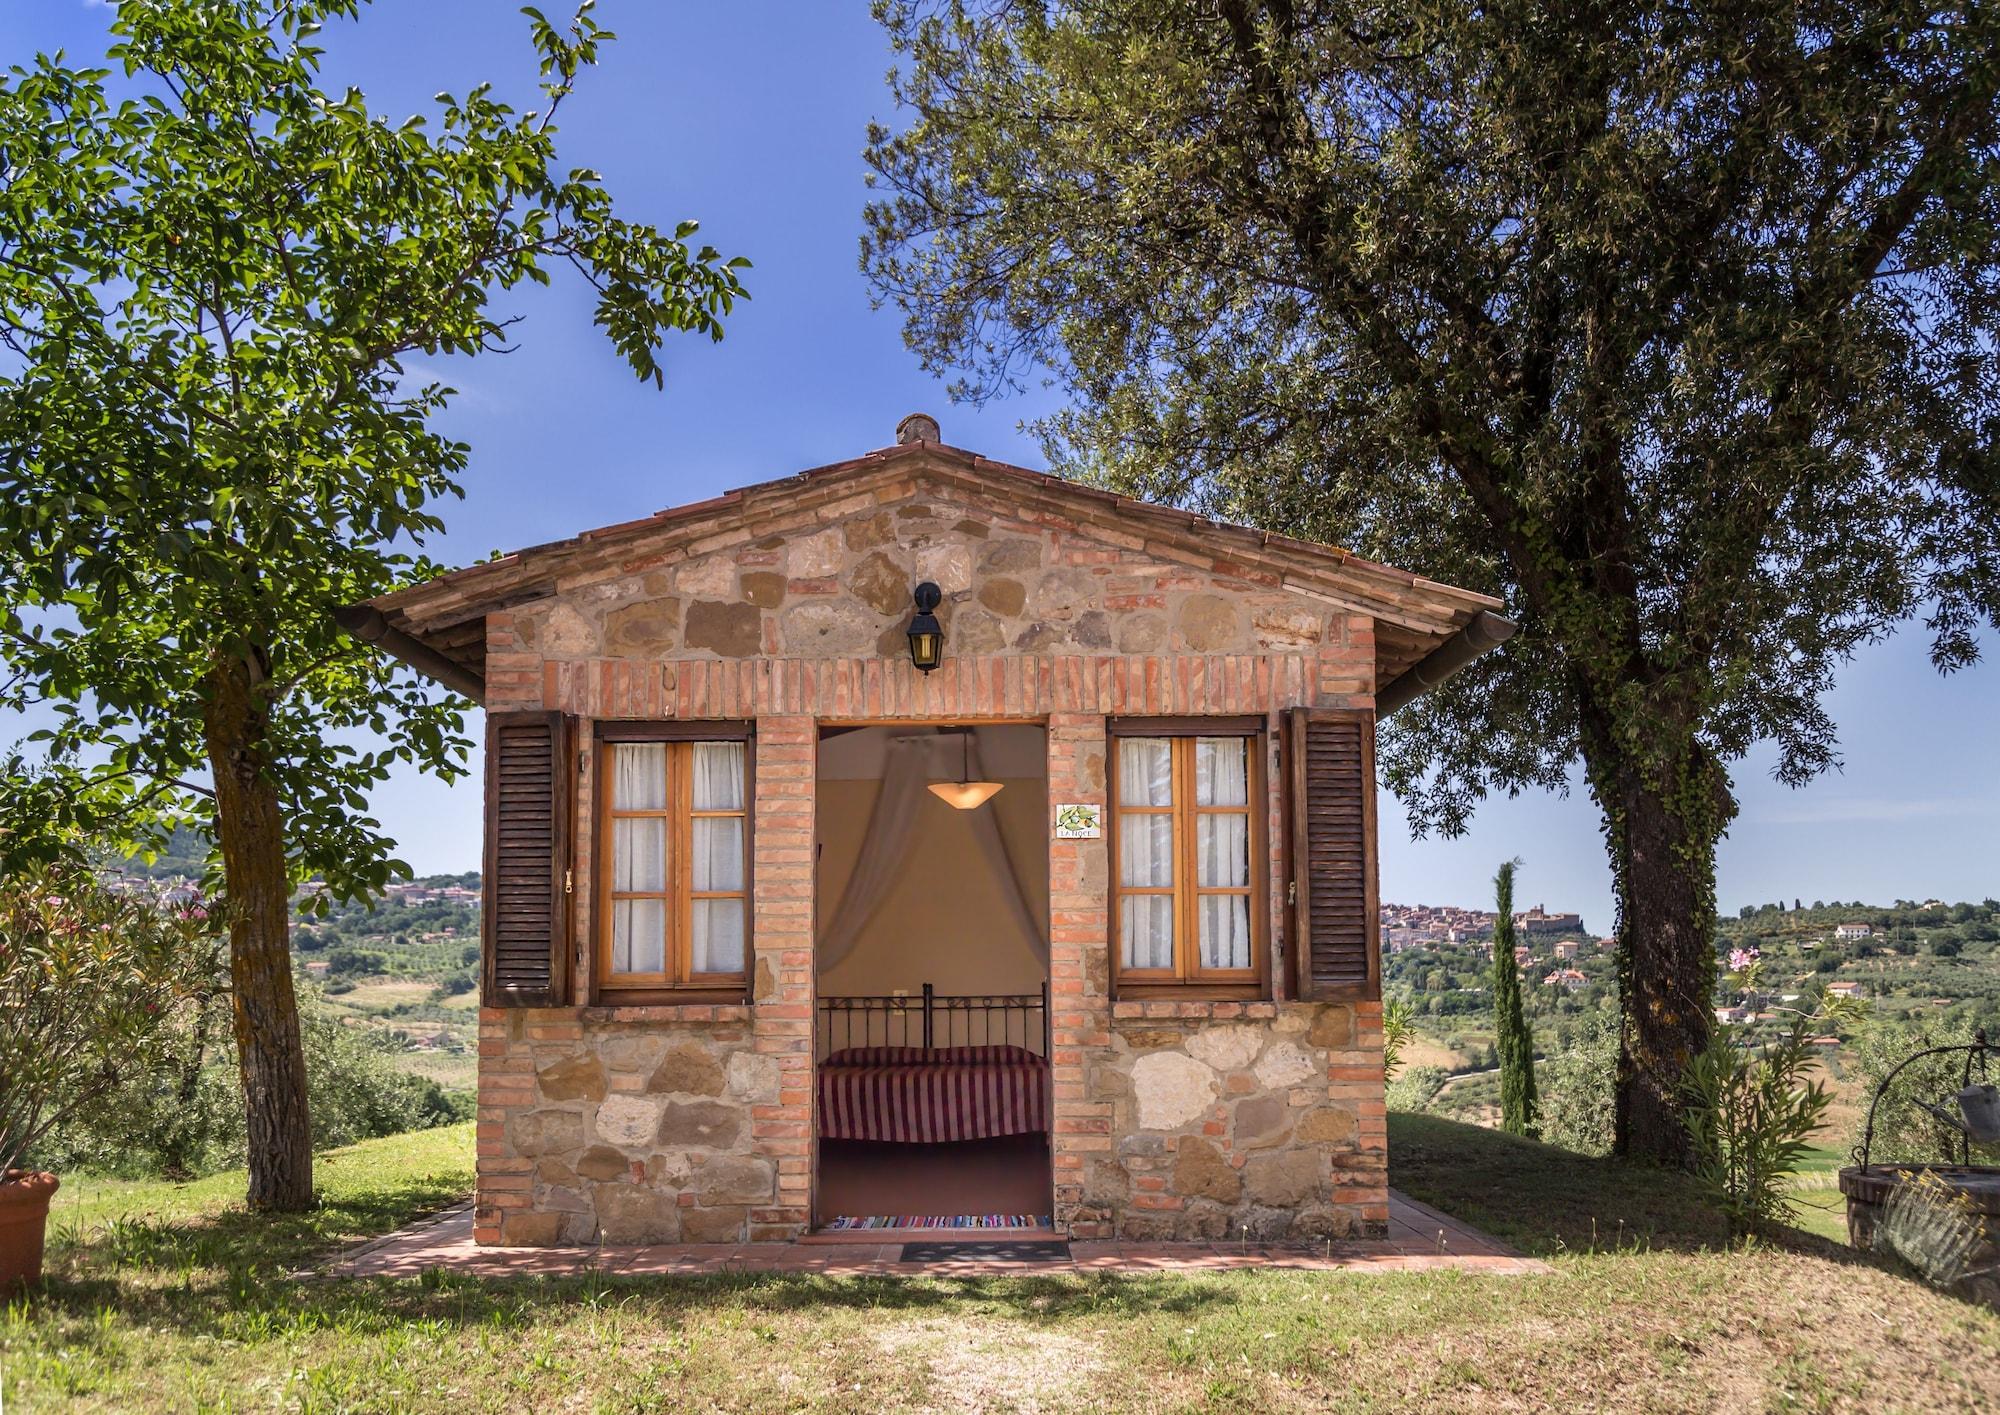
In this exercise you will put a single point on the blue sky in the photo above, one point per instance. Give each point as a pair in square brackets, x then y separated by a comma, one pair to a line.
[750, 117]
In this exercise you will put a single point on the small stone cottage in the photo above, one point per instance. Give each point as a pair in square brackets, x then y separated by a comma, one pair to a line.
[924, 842]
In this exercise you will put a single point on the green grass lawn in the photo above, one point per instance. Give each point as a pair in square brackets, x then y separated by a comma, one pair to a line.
[170, 1298]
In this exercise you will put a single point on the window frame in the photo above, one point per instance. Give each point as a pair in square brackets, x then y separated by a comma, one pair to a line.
[1188, 981]
[677, 983]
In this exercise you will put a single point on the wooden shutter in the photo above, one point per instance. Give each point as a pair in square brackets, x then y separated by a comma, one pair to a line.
[530, 776]
[1335, 912]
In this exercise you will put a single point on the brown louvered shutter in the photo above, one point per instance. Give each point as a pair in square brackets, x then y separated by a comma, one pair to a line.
[530, 771]
[1335, 916]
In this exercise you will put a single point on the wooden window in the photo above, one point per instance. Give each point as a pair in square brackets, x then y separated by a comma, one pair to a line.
[1189, 885]
[674, 883]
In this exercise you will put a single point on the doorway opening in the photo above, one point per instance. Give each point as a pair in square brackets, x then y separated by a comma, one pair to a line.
[931, 1029]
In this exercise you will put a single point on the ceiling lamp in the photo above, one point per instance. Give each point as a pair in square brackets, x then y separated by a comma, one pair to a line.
[963, 795]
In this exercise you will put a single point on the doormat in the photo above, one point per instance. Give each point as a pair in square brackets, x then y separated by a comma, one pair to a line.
[997, 1250]
[943, 1221]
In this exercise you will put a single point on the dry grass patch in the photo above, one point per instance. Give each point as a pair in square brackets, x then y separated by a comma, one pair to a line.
[982, 1365]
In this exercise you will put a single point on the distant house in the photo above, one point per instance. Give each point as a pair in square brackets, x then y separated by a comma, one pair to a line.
[1809, 945]
[317, 967]
[1521, 955]
[1732, 1014]
[1851, 931]
[1607, 944]
[1568, 949]
[1844, 989]
[1568, 979]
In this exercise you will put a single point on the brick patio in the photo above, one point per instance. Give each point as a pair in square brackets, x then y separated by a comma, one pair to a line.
[1420, 1239]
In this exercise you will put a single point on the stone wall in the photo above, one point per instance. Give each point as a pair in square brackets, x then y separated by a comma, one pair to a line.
[797, 622]
[1262, 1121]
[843, 591]
[622, 1132]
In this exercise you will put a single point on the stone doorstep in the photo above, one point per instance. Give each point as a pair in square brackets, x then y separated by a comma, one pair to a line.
[444, 1240]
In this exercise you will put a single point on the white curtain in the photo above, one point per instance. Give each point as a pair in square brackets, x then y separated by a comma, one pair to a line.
[1146, 851]
[992, 845]
[1222, 850]
[887, 853]
[716, 925]
[639, 857]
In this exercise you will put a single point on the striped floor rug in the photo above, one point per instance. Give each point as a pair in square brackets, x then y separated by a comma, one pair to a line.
[942, 1221]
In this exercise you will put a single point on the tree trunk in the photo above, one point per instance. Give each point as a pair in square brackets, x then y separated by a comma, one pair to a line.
[1663, 863]
[250, 830]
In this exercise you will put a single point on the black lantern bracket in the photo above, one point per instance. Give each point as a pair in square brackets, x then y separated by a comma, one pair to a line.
[926, 634]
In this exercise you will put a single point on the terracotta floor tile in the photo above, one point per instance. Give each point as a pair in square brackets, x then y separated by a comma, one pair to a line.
[445, 1241]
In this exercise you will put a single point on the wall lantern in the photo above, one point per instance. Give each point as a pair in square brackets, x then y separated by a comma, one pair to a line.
[926, 634]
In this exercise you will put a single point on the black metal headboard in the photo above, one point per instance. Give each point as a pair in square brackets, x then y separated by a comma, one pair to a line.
[931, 1019]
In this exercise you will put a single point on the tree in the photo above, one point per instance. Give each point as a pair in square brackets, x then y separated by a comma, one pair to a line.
[213, 275]
[1512, 1040]
[1672, 324]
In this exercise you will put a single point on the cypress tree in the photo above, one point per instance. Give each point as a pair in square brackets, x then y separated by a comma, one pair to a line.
[1511, 1038]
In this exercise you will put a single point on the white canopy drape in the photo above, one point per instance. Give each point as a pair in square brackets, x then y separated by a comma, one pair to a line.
[886, 852]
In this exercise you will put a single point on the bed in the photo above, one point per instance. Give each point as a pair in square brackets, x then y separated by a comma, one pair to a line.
[932, 1068]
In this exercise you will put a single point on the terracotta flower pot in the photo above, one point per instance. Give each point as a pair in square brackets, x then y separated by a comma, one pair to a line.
[24, 1218]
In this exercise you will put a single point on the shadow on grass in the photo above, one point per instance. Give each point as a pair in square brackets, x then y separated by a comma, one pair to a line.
[1549, 1201]
[236, 1239]
[249, 1305]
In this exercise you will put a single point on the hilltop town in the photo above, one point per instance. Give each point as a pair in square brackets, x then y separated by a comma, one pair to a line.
[1426, 925]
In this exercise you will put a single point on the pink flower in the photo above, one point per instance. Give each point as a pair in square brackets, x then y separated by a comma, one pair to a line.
[1741, 958]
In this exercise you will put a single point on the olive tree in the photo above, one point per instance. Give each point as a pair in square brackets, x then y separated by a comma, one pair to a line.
[1673, 324]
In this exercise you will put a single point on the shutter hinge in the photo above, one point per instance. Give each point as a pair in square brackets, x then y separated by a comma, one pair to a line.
[1291, 891]
[568, 887]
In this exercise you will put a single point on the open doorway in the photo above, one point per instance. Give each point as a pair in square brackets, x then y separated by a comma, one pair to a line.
[931, 1032]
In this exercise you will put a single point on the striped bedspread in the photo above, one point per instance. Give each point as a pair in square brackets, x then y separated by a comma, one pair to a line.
[920, 1096]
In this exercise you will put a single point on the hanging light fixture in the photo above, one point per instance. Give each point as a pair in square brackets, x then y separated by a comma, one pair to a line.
[963, 795]
[926, 634]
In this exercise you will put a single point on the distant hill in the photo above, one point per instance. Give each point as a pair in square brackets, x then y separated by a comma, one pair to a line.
[186, 856]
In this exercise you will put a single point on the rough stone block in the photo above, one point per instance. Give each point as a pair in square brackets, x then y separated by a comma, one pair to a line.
[602, 1162]
[541, 1132]
[633, 1213]
[525, 1228]
[736, 1179]
[1282, 1178]
[705, 1123]
[1261, 1121]
[1200, 1172]
[718, 1225]
[1328, 1125]
[687, 1069]
[1172, 1089]
[576, 1078]
[731, 630]
[1332, 1027]
[644, 630]
[754, 1077]
[628, 1121]
[881, 584]
[1284, 1064]
[1228, 1048]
